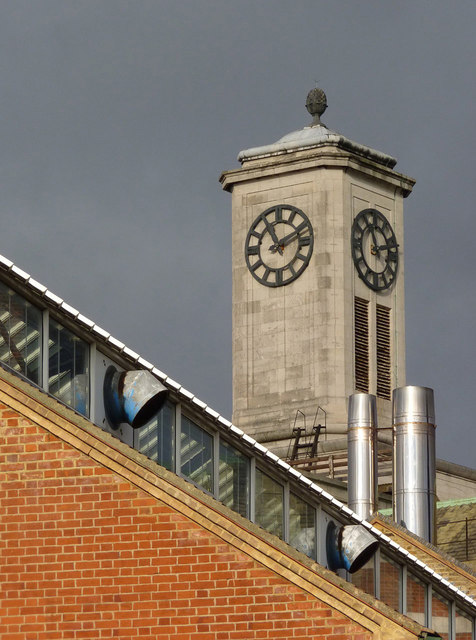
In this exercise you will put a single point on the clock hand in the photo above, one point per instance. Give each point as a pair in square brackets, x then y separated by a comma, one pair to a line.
[271, 230]
[386, 246]
[273, 235]
[280, 244]
[287, 239]
[374, 239]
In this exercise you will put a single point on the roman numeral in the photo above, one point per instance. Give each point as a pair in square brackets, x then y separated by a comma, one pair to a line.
[257, 264]
[392, 255]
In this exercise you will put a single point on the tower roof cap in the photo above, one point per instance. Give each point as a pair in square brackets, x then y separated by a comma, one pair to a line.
[315, 135]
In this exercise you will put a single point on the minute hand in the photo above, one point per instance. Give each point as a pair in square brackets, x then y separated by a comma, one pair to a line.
[284, 241]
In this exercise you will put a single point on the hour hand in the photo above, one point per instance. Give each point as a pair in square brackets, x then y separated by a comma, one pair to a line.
[387, 247]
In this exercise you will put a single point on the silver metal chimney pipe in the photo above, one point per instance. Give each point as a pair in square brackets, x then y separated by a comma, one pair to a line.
[362, 494]
[414, 475]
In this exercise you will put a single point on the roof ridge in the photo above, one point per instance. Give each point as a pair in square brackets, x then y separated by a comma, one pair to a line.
[426, 546]
[456, 502]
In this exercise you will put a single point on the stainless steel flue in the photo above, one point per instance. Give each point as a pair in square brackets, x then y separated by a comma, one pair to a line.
[414, 475]
[362, 454]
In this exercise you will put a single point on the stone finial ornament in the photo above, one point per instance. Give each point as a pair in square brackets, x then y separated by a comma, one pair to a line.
[316, 104]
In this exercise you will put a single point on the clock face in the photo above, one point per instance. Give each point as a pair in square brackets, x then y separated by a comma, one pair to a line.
[374, 249]
[279, 245]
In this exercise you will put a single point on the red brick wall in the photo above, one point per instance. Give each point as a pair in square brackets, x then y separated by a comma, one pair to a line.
[84, 554]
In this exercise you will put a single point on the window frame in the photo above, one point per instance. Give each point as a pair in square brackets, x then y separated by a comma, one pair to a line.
[178, 452]
[63, 322]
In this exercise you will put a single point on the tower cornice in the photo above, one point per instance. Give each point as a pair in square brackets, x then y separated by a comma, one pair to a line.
[320, 156]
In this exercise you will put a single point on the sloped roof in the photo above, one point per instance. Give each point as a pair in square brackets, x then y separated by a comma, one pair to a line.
[41, 292]
[315, 136]
[62, 422]
[433, 557]
[456, 526]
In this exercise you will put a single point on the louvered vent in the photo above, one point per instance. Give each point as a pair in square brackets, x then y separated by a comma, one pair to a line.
[384, 365]
[361, 340]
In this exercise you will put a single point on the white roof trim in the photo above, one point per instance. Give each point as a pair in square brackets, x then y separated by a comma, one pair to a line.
[185, 393]
[145, 363]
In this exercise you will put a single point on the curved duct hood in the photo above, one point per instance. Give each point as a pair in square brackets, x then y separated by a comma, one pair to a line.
[349, 547]
[134, 397]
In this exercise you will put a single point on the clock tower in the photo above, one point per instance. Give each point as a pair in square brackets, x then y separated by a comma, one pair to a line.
[318, 280]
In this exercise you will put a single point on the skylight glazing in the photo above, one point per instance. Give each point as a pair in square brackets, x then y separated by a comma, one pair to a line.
[68, 367]
[20, 334]
[234, 479]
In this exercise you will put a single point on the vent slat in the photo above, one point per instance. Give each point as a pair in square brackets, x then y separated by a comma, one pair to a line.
[384, 362]
[361, 344]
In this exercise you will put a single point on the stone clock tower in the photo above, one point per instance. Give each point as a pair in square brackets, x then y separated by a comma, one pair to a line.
[318, 280]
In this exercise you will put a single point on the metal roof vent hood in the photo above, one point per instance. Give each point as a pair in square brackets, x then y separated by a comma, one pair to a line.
[134, 397]
[349, 547]
[414, 470]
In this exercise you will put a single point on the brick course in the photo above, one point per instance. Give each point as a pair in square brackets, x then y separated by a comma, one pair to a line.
[98, 542]
[86, 555]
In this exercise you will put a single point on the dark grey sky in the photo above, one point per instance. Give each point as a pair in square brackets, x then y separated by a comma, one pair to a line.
[117, 117]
